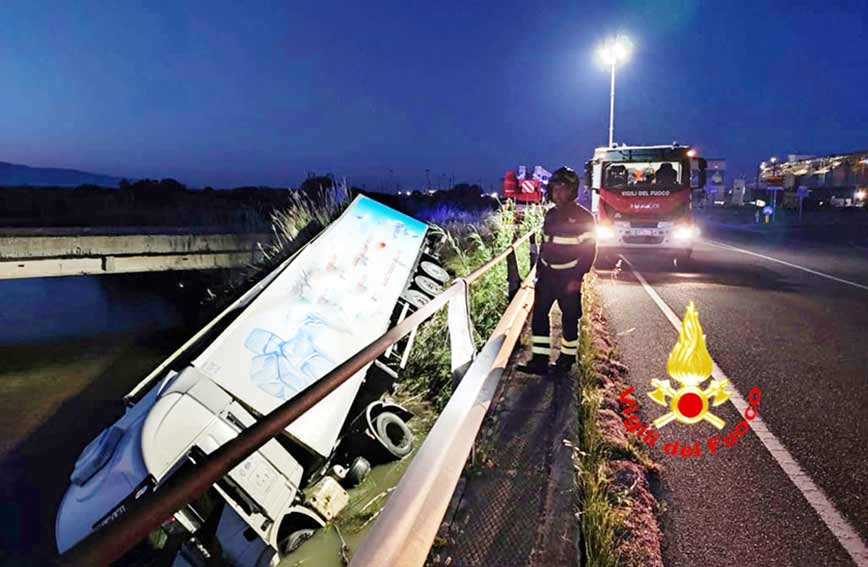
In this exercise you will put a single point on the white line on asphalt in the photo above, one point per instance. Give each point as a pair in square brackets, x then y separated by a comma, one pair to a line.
[837, 524]
[785, 263]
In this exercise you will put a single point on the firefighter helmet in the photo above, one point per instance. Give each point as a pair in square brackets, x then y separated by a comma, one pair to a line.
[568, 177]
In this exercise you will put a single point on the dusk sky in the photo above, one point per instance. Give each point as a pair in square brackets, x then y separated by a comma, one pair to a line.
[249, 93]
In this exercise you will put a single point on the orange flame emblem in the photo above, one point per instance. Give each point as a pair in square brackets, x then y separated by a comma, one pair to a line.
[690, 365]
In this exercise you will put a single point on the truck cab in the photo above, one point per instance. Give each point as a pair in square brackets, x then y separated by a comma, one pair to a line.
[642, 199]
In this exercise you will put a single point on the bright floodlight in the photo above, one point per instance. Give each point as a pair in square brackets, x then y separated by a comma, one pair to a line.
[615, 50]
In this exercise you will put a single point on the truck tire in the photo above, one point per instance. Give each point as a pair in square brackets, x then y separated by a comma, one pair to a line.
[294, 540]
[605, 261]
[393, 434]
[682, 260]
[428, 285]
[434, 271]
[415, 298]
[358, 471]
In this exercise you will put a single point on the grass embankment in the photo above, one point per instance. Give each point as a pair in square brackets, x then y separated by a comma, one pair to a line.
[618, 512]
[465, 248]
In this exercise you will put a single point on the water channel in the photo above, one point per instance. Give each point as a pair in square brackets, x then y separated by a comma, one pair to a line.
[70, 349]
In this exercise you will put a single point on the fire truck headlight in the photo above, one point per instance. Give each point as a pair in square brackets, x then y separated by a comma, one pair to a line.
[685, 233]
[605, 232]
[860, 195]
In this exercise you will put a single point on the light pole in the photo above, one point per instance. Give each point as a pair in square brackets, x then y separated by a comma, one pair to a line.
[613, 51]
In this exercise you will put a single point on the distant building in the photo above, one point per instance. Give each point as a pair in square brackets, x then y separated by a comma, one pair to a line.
[823, 178]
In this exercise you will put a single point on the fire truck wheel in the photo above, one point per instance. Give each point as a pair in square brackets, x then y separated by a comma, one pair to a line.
[604, 261]
[394, 434]
[682, 260]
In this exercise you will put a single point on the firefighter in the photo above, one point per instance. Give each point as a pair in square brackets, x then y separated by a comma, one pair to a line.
[568, 251]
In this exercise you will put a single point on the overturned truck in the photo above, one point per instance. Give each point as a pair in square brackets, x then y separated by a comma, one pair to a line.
[365, 272]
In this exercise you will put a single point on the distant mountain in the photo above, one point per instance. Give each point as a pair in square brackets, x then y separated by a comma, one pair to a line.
[13, 174]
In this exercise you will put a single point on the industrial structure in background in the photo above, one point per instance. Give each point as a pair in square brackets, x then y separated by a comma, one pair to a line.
[839, 180]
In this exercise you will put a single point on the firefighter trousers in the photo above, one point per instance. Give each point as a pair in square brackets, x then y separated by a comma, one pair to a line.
[566, 289]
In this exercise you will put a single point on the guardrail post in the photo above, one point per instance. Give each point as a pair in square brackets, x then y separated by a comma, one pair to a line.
[512, 276]
[534, 250]
[461, 345]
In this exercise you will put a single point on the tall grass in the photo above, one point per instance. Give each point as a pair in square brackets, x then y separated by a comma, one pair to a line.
[600, 521]
[305, 214]
[465, 248]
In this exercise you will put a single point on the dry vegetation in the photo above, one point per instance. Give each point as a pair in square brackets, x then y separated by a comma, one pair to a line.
[618, 512]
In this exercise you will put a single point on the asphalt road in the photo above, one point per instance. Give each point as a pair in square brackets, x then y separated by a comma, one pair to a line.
[802, 338]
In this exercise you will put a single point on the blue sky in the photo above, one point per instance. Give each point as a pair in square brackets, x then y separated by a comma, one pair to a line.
[262, 92]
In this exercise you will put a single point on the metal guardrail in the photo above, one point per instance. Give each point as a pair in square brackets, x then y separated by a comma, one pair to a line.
[405, 530]
[109, 543]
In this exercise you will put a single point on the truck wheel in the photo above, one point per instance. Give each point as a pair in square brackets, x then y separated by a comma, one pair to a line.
[604, 261]
[415, 298]
[428, 285]
[294, 540]
[434, 271]
[394, 434]
[682, 260]
[358, 471]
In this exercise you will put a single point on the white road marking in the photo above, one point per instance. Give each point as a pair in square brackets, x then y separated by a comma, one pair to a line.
[837, 524]
[785, 263]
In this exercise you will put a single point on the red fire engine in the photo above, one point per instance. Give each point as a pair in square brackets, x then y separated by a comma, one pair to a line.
[523, 188]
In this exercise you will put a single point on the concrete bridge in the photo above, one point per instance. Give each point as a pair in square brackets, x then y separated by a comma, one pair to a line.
[47, 252]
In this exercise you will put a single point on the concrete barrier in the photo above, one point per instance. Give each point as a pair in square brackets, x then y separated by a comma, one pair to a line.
[30, 256]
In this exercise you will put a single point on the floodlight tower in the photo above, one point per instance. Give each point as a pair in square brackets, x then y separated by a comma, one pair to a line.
[615, 50]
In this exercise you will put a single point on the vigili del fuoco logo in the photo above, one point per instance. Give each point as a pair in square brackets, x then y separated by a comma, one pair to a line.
[689, 365]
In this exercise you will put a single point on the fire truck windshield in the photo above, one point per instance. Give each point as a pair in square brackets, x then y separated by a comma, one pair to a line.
[648, 174]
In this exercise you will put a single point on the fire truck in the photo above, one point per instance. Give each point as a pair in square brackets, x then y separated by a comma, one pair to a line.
[642, 199]
[524, 189]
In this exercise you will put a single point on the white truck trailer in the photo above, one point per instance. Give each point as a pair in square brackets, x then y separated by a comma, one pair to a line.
[337, 294]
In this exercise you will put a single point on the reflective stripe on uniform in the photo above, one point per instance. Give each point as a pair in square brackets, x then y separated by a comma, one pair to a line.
[573, 343]
[568, 350]
[540, 339]
[568, 240]
[540, 350]
[564, 266]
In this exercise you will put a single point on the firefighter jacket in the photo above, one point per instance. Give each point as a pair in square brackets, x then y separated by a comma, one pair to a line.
[569, 246]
